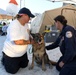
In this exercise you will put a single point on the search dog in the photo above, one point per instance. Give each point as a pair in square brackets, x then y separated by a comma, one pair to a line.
[39, 53]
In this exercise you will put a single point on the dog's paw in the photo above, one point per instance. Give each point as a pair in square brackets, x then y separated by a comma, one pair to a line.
[31, 67]
[51, 66]
[43, 68]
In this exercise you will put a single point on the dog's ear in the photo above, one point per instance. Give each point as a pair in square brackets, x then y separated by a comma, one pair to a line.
[42, 36]
[33, 35]
[43, 33]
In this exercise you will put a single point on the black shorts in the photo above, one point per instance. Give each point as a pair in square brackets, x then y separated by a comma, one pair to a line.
[12, 64]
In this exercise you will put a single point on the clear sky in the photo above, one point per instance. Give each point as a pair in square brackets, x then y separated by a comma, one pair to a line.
[36, 6]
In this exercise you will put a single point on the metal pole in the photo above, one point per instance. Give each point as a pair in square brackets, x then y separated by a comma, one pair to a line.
[24, 3]
[20, 4]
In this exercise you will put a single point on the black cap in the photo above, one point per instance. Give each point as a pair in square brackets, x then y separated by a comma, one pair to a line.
[26, 11]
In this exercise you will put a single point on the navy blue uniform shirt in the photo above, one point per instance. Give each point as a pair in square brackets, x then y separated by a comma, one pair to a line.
[66, 42]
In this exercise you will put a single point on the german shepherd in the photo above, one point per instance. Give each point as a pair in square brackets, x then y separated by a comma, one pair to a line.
[39, 53]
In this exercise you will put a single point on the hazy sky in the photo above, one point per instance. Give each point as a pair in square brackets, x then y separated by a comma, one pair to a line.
[36, 6]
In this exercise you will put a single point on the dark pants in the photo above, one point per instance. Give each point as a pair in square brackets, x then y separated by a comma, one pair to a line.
[67, 69]
[12, 64]
[4, 33]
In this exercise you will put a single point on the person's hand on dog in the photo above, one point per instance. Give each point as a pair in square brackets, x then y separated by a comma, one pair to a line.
[61, 64]
[32, 41]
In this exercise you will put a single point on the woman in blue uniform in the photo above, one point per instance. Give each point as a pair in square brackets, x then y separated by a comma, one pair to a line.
[67, 44]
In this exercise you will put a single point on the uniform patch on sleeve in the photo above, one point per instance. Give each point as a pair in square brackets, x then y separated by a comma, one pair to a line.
[68, 34]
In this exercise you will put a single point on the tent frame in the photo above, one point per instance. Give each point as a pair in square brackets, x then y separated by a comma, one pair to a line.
[67, 9]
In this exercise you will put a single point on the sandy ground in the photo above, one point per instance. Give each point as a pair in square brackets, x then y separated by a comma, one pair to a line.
[53, 55]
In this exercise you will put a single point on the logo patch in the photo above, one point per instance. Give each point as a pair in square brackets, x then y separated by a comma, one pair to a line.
[68, 34]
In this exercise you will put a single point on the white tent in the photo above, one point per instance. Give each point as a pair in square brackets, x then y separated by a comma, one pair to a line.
[4, 15]
[12, 7]
[47, 18]
[35, 24]
[64, 1]
[2, 12]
